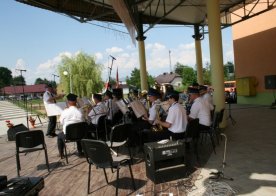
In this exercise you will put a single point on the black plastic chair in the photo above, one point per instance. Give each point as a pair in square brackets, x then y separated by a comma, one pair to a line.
[99, 154]
[211, 131]
[213, 112]
[119, 136]
[75, 133]
[192, 134]
[101, 127]
[117, 118]
[30, 141]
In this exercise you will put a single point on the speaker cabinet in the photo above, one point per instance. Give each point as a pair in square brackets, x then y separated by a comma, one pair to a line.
[15, 129]
[270, 82]
[165, 162]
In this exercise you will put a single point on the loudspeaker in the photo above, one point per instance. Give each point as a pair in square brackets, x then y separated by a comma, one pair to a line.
[3, 182]
[270, 82]
[165, 162]
[15, 129]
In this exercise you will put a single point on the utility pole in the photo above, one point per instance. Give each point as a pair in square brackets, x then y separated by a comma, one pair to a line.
[170, 61]
[55, 77]
[22, 81]
[24, 96]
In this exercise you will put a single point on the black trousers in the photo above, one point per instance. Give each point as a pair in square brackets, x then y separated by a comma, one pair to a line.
[51, 125]
[136, 133]
[154, 136]
[61, 144]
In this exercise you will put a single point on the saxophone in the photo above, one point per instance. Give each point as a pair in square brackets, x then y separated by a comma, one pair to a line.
[157, 127]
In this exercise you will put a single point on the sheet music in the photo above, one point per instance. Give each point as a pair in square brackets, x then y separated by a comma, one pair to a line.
[83, 102]
[55, 109]
[122, 106]
[138, 108]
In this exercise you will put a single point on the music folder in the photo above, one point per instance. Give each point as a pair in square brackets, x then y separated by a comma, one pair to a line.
[138, 108]
[122, 106]
[55, 109]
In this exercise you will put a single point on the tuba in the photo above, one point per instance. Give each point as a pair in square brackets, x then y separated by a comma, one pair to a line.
[157, 127]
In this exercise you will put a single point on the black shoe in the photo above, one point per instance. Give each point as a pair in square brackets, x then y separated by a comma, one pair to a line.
[61, 156]
[80, 154]
[53, 134]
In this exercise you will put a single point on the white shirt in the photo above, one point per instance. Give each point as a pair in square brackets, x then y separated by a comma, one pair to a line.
[46, 96]
[207, 98]
[177, 118]
[201, 111]
[152, 110]
[69, 116]
[96, 112]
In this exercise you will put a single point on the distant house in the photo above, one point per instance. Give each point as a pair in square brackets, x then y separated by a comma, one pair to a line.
[31, 91]
[123, 86]
[173, 79]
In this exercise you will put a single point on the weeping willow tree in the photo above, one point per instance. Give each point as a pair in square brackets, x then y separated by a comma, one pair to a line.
[84, 72]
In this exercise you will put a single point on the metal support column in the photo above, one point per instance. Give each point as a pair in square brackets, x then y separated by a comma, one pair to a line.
[197, 38]
[215, 45]
[142, 58]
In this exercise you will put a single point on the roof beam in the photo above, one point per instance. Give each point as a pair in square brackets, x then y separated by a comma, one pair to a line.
[164, 16]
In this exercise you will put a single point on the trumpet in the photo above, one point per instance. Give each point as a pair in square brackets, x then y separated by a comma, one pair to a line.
[157, 127]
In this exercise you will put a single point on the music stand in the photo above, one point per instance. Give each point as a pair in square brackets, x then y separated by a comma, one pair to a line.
[219, 175]
[229, 114]
[273, 105]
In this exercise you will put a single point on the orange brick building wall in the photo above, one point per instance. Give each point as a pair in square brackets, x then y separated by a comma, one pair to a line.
[255, 54]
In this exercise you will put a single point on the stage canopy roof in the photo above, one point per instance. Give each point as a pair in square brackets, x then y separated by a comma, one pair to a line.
[133, 13]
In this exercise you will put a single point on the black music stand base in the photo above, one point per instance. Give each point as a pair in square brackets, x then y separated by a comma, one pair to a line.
[230, 115]
[220, 174]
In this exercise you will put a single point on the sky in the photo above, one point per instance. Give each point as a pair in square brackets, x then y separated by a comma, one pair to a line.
[35, 40]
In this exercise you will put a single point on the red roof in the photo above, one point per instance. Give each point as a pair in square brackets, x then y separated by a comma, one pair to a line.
[37, 88]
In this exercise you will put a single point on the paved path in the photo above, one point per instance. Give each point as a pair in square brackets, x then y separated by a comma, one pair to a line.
[9, 111]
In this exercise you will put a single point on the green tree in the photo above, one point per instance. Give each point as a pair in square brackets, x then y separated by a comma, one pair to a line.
[84, 72]
[229, 71]
[178, 68]
[187, 73]
[42, 81]
[18, 80]
[207, 74]
[5, 77]
[135, 81]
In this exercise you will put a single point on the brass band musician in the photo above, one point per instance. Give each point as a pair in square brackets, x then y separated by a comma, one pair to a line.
[98, 110]
[70, 115]
[111, 105]
[146, 122]
[175, 122]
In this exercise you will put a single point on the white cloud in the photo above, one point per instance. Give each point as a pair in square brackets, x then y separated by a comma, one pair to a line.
[51, 64]
[99, 56]
[19, 65]
[229, 56]
[190, 46]
[157, 60]
[114, 50]
[47, 68]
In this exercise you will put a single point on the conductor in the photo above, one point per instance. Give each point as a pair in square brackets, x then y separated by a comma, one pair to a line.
[49, 97]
